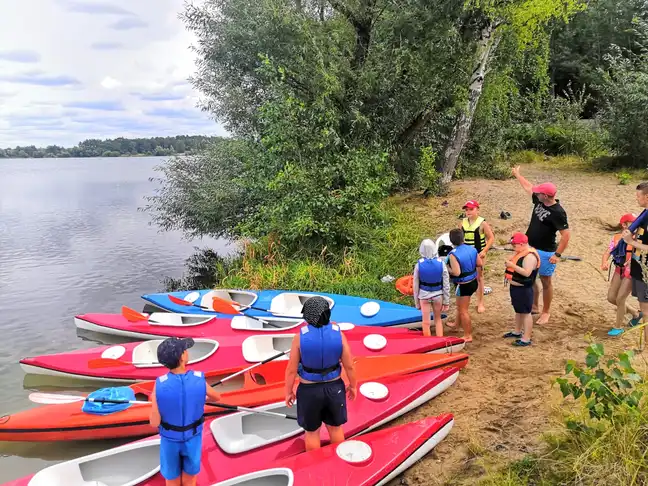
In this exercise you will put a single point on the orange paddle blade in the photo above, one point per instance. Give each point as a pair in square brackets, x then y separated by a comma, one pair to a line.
[178, 301]
[106, 363]
[224, 306]
[132, 315]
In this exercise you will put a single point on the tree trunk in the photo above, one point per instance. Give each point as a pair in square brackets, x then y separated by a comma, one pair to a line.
[486, 47]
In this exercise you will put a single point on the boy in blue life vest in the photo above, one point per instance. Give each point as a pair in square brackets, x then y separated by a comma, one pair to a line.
[431, 287]
[315, 356]
[178, 403]
[463, 261]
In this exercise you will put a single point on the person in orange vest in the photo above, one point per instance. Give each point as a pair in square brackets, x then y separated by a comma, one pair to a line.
[621, 283]
[521, 272]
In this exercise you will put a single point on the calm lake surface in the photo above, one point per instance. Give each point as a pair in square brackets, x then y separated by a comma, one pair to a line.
[72, 241]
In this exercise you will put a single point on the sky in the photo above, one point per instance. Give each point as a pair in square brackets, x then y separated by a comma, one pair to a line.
[77, 69]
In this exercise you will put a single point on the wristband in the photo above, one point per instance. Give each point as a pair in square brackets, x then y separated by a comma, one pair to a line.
[557, 254]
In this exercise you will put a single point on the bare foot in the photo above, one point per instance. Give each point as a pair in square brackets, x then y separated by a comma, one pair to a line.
[451, 324]
[481, 309]
[467, 339]
[543, 319]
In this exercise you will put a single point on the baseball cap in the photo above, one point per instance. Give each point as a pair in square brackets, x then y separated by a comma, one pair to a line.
[170, 351]
[519, 238]
[627, 218]
[545, 188]
[472, 204]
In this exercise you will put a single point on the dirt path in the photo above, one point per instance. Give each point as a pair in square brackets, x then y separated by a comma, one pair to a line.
[503, 400]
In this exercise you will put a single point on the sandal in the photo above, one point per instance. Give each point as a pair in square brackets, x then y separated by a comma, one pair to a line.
[512, 334]
[519, 342]
[635, 320]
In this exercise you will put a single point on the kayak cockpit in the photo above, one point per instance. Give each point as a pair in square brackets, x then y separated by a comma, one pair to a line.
[291, 303]
[280, 476]
[244, 298]
[177, 320]
[126, 465]
[259, 348]
[245, 323]
[245, 431]
[145, 354]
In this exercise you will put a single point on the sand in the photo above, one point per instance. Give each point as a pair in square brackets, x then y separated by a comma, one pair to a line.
[504, 400]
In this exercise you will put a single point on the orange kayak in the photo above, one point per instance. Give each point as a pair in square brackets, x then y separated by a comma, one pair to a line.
[260, 386]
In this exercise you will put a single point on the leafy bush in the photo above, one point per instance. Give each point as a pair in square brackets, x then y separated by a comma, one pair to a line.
[624, 178]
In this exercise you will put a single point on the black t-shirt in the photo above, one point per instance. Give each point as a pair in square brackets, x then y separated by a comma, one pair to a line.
[641, 234]
[545, 222]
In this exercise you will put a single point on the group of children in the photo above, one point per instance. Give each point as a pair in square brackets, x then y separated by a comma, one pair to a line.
[462, 264]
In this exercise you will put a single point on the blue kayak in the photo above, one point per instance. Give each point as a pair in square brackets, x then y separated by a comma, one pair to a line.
[285, 303]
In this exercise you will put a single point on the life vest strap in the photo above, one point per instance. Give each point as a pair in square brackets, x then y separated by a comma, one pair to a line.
[430, 284]
[184, 428]
[324, 371]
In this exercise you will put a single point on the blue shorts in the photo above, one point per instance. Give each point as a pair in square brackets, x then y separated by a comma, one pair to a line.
[178, 457]
[546, 269]
[319, 403]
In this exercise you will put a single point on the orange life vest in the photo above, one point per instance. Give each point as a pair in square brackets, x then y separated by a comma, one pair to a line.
[509, 274]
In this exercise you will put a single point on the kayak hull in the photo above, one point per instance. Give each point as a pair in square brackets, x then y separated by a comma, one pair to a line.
[235, 349]
[346, 308]
[260, 386]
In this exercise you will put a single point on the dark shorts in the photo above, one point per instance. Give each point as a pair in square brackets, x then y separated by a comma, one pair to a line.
[640, 290]
[467, 289]
[522, 299]
[319, 403]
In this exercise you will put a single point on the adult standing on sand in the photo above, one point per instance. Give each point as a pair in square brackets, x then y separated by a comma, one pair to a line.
[548, 218]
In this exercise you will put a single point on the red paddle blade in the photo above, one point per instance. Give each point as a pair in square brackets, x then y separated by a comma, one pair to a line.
[106, 363]
[178, 301]
[224, 306]
[132, 315]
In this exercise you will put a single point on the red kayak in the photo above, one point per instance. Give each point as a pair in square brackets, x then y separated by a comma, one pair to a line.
[231, 348]
[245, 442]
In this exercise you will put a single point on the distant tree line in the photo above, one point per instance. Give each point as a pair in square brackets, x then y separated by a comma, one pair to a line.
[180, 144]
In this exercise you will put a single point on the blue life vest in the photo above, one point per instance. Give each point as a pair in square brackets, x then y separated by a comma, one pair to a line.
[181, 402]
[430, 273]
[320, 349]
[466, 255]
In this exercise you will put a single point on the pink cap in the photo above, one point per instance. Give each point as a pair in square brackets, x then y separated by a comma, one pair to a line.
[472, 204]
[627, 218]
[545, 188]
[519, 238]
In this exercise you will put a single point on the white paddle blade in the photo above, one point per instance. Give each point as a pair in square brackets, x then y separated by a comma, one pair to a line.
[54, 399]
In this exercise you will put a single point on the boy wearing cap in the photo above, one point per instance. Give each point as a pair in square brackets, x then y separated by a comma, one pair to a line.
[547, 218]
[178, 403]
[480, 240]
[315, 355]
[521, 271]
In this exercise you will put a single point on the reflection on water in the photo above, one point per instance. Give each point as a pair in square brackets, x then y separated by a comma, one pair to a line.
[72, 241]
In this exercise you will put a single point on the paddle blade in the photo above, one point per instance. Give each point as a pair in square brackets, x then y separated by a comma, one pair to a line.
[52, 399]
[106, 363]
[223, 306]
[179, 301]
[132, 315]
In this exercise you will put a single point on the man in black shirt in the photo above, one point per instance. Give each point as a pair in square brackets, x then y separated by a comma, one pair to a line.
[639, 263]
[548, 218]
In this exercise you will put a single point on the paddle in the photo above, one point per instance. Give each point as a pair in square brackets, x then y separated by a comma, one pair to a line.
[225, 307]
[186, 303]
[132, 315]
[245, 409]
[54, 399]
[564, 257]
[250, 368]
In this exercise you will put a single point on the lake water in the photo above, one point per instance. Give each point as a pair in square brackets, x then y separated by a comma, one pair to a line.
[72, 241]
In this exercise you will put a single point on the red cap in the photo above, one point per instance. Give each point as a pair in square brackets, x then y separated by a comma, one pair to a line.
[472, 204]
[545, 188]
[627, 218]
[519, 238]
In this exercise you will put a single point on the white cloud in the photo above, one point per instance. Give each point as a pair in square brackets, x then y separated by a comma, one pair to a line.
[110, 83]
[77, 69]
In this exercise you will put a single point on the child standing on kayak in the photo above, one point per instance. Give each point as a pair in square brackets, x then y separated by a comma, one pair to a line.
[319, 352]
[521, 272]
[431, 286]
[178, 403]
[463, 261]
[478, 234]
[621, 283]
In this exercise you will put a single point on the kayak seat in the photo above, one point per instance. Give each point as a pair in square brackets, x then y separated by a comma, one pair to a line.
[242, 297]
[146, 353]
[291, 303]
[258, 348]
